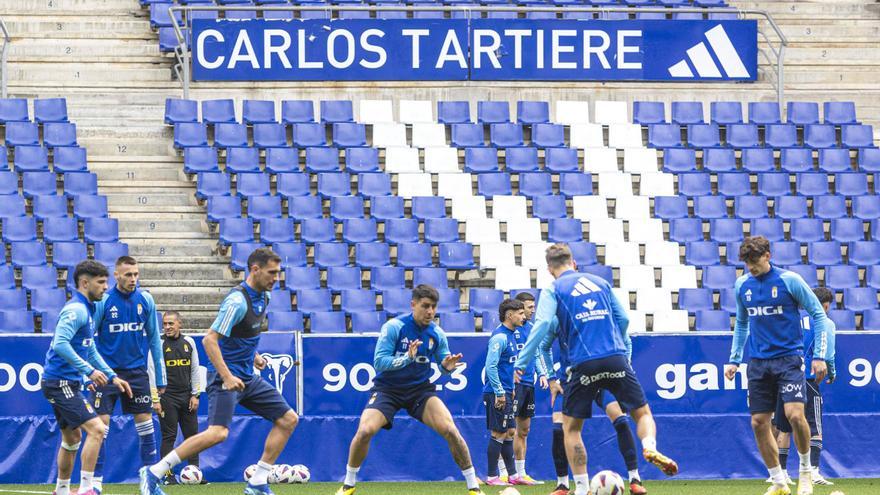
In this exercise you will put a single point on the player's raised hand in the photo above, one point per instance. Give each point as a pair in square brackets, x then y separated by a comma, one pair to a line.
[500, 401]
[820, 369]
[98, 378]
[123, 386]
[413, 350]
[233, 383]
[451, 361]
[730, 371]
[259, 361]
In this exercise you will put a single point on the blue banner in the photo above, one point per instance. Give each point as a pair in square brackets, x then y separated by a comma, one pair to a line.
[477, 49]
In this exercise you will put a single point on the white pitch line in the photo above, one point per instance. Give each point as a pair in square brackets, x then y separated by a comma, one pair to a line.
[34, 492]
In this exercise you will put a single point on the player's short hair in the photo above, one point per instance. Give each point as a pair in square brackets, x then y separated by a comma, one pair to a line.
[89, 268]
[509, 305]
[425, 291]
[824, 295]
[126, 260]
[558, 255]
[752, 248]
[173, 313]
[261, 257]
[524, 297]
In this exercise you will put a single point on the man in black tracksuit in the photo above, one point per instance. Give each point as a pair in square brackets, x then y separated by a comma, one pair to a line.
[180, 402]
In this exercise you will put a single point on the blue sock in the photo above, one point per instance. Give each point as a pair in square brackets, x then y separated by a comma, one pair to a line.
[783, 457]
[147, 439]
[493, 451]
[626, 443]
[815, 452]
[507, 456]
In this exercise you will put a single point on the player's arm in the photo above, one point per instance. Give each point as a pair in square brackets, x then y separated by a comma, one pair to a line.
[545, 349]
[194, 376]
[740, 333]
[544, 314]
[496, 345]
[618, 313]
[232, 311]
[384, 357]
[444, 357]
[70, 320]
[154, 335]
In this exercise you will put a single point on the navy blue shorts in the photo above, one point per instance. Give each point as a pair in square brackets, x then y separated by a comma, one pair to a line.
[68, 403]
[588, 379]
[258, 396]
[524, 401]
[499, 420]
[771, 379]
[390, 400]
[141, 401]
[604, 398]
[813, 411]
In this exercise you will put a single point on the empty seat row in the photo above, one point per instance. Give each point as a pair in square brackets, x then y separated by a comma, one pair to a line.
[60, 229]
[732, 230]
[827, 207]
[747, 136]
[65, 254]
[732, 184]
[730, 112]
[45, 110]
[46, 184]
[84, 206]
[757, 160]
[36, 159]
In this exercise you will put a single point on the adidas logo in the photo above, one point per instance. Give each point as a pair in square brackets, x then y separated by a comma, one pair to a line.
[590, 304]
[583, 287]
[749, 295]
[701, 59]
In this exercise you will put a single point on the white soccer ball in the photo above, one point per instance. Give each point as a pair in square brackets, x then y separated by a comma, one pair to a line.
[607, 483]
[509, 491]
[281, 473]
[300, 474]
[249, 471]
[190, 475]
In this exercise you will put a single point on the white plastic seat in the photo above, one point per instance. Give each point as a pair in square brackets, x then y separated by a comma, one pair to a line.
[509, 208]
[416, 111]
[605, 230]
[467, 207]
[622, 254]
[586, 136]
[673, 320]
[375, 111]
[622, 296]
[386, 135]
[639, 160]
[653, 299]
[572, 112]
[600, 160]
[588, 208]
[513, 277]
[615, 184]
[482, 230]
[524, 231]
[656, 184]
[544, 278]
[454, 185]
[645, 230]
[611, 112]
[402, 160]
[634, 277]
[425, 135]
[532, 254]
[496, 255]
[623, 136]
[662, 253]
[411, 185]
[636, 322]
[676, 277]
[441, 160]
[632, 208]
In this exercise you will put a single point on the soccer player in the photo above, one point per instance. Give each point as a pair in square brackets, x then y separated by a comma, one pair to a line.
[127, 335]
[498, 392]
[72, 355]
[592, 339]
[402, 360]
[813, 411]
[231, 346]
[767, 302]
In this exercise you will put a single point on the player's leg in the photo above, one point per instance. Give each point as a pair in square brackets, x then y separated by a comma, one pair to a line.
[576, 453]
[437, 417]
[813, 411]
[763, 395]
[146, 431]
[782, 432]
[626, 444]
[372, 420]
[499, 427]
[189, 426]
[168, 428]
[792, 389]
[70, 442]
[560, 461]
[523, 414]
[96, 431]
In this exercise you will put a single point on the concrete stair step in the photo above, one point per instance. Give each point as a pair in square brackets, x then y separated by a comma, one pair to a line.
[84, 50]
[91, 73]
[179, 284]
[119, 148]
[134, 235]
[811, 10]
[84, 26]
[191, 272]
[171, 247]
[180, 226]
[157, 212]
[117, 177]
[72, 7]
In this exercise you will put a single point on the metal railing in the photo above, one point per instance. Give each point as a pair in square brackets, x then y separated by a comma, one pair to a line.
[3, 55]
[183, 67]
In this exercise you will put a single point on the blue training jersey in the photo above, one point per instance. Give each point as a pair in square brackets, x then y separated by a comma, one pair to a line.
[522, 335]
[238, 352]
[580, 310]
[127, 331]
[73, 354]
[767, 308]
[394, 367]
[809, 345]
[499, 362]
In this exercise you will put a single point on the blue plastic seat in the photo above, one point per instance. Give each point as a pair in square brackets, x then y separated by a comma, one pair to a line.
[547, 207]
[687, 112]
[279, 301]
[38, 184]
[270, 135]
[532, 112]
[707, 207]
[251, 185]
[358, 301]
[349, 134]
[575, 184]
[493, 112]
[829, 207]
[401, 230]
[44, 207]
[356, 230]
[774, 184]
[840, 112]
[561, 160]
[851, 184]
[315, 230]
[670, 207]
[764, 112]
[217, 111]
[368, 321]
[274, 230]
[718, 277]
[726, 229]
[712, 321]
[8, 183]
[820, 136]
[719, 160]
[664, 136]
[312, 300]
[180, 110]
[386, 207]
[521, 159]
[297, 111]
[602, 271]
[693, 300]
[387, 277]
[702, 253]
[834, 160]
[584, 253]
[414, 254]
[396, 301]
[505, 135]
[771, 228]
[703, 135]
[230, 135]
[534, 185]
[17, 321]
[321, 159]
[860, 299]
[429, 275]
[309, 134]
[242, 160]
[14, 110]
[727, 300]
[28, 253]
[329, 254]
[824, 253]
[871, 319]
[220, 207]
[233, 230]
[467, 135]
[30, 159]
[843, 319]
[494, 184]
[50, 110]
[19, 229]
[456, 255]
[341, 278]
[69, 159]
[839, 277]
[291, 253]
[39, 277]
[698, 184]
[458, 322]
[372, 255]
[80, 184]
[786, 252]
[864, 253]
[334, 185]
[726, 112]
[424, 207]
[564, 230]
[259, 112]
[742, 135]
[441, 230]
[109, 252]
[374, 184]
[200, 159]
[481, 159]
[796, 160]
[807, 230]
[548, 135]
[59, 134]
[872, 276]
[188, 134]
[750, 207]
[790, 207]
[90, 206]
[453, 112]
[12, 206]
[866, 207]
[290, 185]
[649, 112]
[812, 184]
[345, 207]
[358, 160]
[13, 300]
[781, 136]
[49, 299]
[333, 111]
[734, 184]
[210, 184]
[847, 229]
[101, 230]
[285, 321]
[803, 113]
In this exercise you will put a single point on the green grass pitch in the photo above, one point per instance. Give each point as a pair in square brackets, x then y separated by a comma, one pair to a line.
[756, 487]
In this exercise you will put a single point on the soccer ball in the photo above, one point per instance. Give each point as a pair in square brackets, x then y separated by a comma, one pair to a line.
[190, 475]
[281, 473]
[249, 471]
[607, 483]
[509, 491]
[300, 474]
